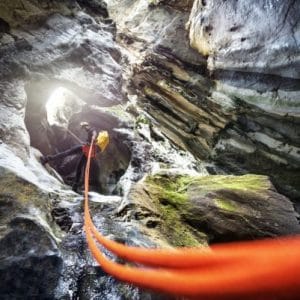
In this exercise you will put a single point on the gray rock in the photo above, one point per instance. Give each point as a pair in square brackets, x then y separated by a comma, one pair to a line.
[66, 52]
[242, 110]
[237, 208]
[159, 27]
[18, 13]
[253, 47]
[30, 262]
[262, 37]
[222, 208]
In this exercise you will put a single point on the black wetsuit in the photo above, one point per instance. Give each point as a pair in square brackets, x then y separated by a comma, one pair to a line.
[75, 150]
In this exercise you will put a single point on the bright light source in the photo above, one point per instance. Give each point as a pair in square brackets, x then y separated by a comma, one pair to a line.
[61, 105]
[54, 106]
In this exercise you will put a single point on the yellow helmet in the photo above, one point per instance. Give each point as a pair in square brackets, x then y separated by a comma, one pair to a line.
[102, 140]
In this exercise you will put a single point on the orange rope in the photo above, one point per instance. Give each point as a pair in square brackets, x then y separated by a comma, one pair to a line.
[264, 269]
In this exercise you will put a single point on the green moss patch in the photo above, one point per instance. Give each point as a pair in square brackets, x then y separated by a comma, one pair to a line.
[21, 190]
[171, 197]
[18, 12]
[227, 205]
[248, 182]
[171, 190]
[176, 232]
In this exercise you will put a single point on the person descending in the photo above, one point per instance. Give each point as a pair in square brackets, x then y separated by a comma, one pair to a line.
[83, 149]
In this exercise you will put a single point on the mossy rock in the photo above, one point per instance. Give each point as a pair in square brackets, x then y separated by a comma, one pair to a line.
[219, 207]
[19, 12]
[23, 192]
[19, 197]
[29, 255]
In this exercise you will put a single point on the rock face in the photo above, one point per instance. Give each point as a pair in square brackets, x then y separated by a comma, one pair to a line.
[77, 53]
[186, 209]
[17, 13]
[53, 50]
[237, 37]
[230, 102]
[175, 92]
[69, 44]
[253, 56]
[27, 246]
[46, 46]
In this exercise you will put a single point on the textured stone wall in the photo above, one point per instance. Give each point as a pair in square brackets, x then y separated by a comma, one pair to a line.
[235, 100]
[253, 47]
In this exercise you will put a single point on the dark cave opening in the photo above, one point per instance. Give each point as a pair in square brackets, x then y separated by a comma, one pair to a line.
[52, 118]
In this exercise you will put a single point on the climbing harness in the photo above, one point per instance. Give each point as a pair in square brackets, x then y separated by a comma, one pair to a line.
[265, 269]
[86, 150]
[102, 140]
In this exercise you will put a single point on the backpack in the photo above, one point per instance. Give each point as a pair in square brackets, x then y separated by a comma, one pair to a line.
[102, 140]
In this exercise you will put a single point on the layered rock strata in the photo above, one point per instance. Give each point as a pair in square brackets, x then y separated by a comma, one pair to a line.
[235, 100]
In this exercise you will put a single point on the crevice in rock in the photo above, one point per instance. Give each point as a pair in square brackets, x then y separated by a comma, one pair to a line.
[4, 27]
[98, 8]
[52, 130]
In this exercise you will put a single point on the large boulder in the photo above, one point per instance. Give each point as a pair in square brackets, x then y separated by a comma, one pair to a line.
[223, 208]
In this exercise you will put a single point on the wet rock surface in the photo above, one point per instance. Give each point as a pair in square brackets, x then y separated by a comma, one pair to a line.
[27, 246]
[43, 250]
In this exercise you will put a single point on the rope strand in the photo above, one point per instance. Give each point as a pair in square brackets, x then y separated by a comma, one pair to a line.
[265, 269]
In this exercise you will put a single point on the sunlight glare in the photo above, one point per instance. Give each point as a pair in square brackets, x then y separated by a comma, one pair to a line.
[54, 107]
